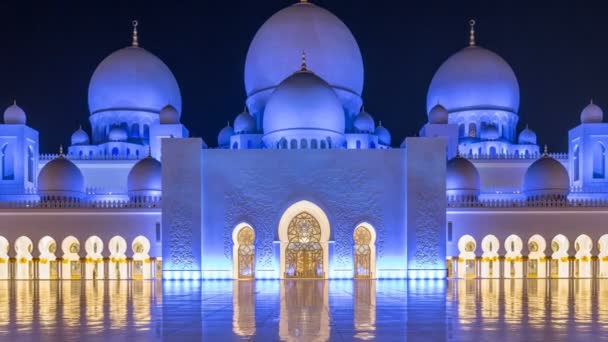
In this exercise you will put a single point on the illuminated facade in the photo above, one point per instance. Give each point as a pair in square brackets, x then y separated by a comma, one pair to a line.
[304, 183]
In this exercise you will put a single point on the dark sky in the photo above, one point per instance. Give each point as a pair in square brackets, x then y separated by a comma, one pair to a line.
[50, 50]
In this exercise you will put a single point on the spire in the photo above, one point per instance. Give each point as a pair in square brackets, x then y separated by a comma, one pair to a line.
[14, 102]
[227, 123]
[135, 42]
[591, 101]
[303, 65]
[149, 151]
[546, 152]
[472, 32]
[61, 150]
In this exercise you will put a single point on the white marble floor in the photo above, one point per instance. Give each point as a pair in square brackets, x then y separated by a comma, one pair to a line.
[454, 310]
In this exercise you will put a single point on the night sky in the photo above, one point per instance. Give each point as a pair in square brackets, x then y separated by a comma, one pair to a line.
[559, 54]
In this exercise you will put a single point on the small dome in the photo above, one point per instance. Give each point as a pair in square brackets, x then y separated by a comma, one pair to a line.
[384, 136]
[118, 133]
[474, 78]
[527, 137]
[169, 115]
[223, 139]
[462, 178]
[489, 132]
[14, 115]
[592, 113]
[364, 122]
[546, 178]
[438, 115]
[304, 101]
[145, 178]
[80, 137]
[60, 179]
[244, 123]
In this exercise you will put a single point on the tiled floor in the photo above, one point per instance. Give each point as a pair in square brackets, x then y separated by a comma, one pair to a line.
[305, 310]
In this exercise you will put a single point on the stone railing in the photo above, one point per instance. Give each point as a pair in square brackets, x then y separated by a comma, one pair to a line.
[143, 203]
[51, 156]
[523, 203]
[512, 156]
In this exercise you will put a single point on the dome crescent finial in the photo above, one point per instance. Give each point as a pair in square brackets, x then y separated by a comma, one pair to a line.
[61, 150]
[546, 152]
[303, 66]
[472, 32]
[135, 42]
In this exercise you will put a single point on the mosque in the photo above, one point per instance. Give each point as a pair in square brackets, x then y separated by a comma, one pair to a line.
[305, 183]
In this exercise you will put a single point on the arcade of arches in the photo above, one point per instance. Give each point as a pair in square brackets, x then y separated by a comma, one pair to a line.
[540, 261]
[73, 261]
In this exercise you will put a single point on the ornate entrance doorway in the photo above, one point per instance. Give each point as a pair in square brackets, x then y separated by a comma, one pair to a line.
[246, 253]
[363, 252]
[304, 254]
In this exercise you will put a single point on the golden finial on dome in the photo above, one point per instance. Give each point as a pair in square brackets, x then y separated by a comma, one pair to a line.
[546, 152]
[61, 150]
[135, 42]
[303, 66]
[472, 32]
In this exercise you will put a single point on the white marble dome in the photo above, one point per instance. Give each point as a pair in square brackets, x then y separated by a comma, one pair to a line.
[118, 133]
[384, 136]
[61, 179]
[274, 52]
[527, 137]
[364, 122]
[80, 137]
[133, 79]
[169, 115]
[474, 78]
[145, 178]
[592, 113]
[438, 115]
[304, 101]
[244, 123]
[462, 178]
[223, 138]
[546, 178]
[14, 115]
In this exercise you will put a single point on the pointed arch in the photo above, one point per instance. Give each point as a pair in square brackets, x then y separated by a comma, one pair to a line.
[243, 251]
[599, 160]
[364, 238]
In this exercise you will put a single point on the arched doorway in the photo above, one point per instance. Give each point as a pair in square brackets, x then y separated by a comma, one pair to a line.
[467, 267]
[364, 251]
[304, 235]
[560, 267]
[243, 252]
[117, 267]
[602, 256]
[489, 261]
[583, 246]
[4, 259]
[71, 268]
[25, 267]
[537, 264]
[47, 265]
[94, 260]
[514, 263]
[141, 259]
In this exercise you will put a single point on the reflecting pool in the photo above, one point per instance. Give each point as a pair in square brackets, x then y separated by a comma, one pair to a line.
[305, 310]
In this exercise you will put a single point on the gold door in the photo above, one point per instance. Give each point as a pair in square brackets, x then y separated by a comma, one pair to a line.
[246, 253]
[304, 254]
[363, 253]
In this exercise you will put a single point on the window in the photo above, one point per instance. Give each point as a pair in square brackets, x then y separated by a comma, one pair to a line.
[358, 144]
[135, 130]
[576, 161]
[294, 144]
[450, 231]
[8, 161]
[472, 130]
[461, 130]
[303, 144]
[30, 164]
[599, 161]
[493, 151]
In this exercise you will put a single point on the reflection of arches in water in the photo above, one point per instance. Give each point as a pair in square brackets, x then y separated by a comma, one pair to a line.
[303, 310]
[243, 304]
[47, 264]
[603, 256]
[71, 267]
[583, 245]
[560, 266]
[537, 266]
[364, 297]
[243, 253]
[117, 265]
[364, 238]
[4, 259]
[25, 267]
[466, 259]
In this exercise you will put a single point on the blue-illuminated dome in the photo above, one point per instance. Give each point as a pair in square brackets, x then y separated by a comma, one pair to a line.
[304, 102]
[364, 122]
[438, 115]
[118, 133]
[14, 115]
[304, 27]
[592, 113]
[489, 132]
[223, 138]
[546, 178]
[462, 178]
[60, 179]
[80, 137]
[474, 78]
[169, 115]
[145, 178]
[527, 137]
[133, 79]
[244, 123]
[384, 136]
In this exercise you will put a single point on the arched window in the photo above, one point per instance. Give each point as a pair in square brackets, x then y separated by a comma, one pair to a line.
[91, 154]
[363, 239]
[599, 160]
[294, 144]
[505, 132]
[246, 253]
[235, 146]
[146, 132]
[135, 130]
[303, 144]
[461, 130]
[8, 162]
[313, 144]
[492, 151]
[115, 152]
[472, 130]
[328, 142]
[283, 143]
[30, 164]
[249, 144]
[323, 145]
[576, 161]
[358, 144]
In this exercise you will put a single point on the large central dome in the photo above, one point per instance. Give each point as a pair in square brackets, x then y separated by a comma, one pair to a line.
[303, 27]
[474, 78]
[133, 79]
